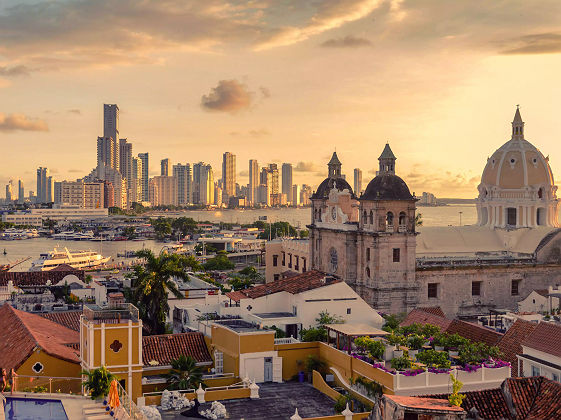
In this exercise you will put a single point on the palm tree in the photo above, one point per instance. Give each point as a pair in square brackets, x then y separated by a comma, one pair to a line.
[153, 280]
[184, 373]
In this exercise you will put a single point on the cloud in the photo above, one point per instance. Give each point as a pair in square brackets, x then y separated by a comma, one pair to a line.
[14, 122]
[306, 167]
[20, 70]
[261, 132]
[230, 96]
[75, 111]
[243, 173]
[75, 171]
[544, 43]
[346, 42]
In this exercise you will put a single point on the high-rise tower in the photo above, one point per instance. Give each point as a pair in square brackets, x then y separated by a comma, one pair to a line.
[287, 181]
[228, 176]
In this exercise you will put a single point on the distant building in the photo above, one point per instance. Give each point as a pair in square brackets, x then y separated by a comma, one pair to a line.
[183, 179]
[358, 181]
[427, 199]
[111, 122]
[163, 191]
[203, 184]
[144, 157]
[164, 167]
[253, 182]
[9, 192]
[88, 195]
[287, 181]
[136, 180]
[305, 194]
[296, 195]
[286, 256]
[125, 161]
[228, 177]
[21, 192]
[43, 185]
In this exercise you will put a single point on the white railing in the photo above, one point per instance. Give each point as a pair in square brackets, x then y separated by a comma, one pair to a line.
[287, 340]
[129, 407]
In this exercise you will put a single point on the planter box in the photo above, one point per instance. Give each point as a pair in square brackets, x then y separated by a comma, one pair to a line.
[397, 353]
[388, 353]
[453, 353]
[439, 348]
[413, 354]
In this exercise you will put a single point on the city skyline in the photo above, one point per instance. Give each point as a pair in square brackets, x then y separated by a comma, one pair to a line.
[430, 90]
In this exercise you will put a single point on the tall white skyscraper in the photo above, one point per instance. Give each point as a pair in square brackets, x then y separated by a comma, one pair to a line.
[206, 185]
[136, 177]
[125, 157]
[358, 182]
[182, 175]
[21, 192]
[287, 181]
[144, 178]
[253, 182]
[9, 192]
[228, 176]
[111, 131]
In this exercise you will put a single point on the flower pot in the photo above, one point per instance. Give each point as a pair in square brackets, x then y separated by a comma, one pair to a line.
[397, 353]
[413, 354]
[453, 353]
[388, 354]
[439, 348]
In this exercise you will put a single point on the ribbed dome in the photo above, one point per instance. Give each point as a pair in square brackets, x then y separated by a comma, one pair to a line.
[328, 184]
[515, 165]
[387, 187]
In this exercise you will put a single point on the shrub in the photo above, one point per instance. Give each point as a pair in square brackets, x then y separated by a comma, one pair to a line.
[314, 363]
[430, 330]
[433, 358]
[98, 382]
[455, 397]
[455, 341]
[373, 388]
[341, 403]
[440, 340]
[475, 353]
[375, 348]
[411, 329]
[415, 342]
[395, 339]
[313, 334]
[401, 363]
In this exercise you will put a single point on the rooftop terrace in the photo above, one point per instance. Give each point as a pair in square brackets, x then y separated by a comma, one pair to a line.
[116, 312]
[238, 325]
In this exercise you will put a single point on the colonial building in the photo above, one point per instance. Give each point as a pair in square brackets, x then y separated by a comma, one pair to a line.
[372, 243]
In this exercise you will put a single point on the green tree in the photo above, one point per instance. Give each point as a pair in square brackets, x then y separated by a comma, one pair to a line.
[129, 232]
[162, 228]
[419, 219]
[219, 262]
[278, 229]
[239, 283]
[184, 225]
[184, 374]
[324, 318]
[97, 382]
[49, 224]
[304, 234]
[393, 321]
[153, 280]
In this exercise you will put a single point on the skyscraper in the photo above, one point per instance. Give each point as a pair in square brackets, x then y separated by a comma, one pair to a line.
[265, 186]
[42, 175]
[253, 181]
[206, 185]
[9, 192]
[287, 181]
[136, 185]
[164, 167]
[21, 192]
[182, 175]
[358, 182]
[106, 153]
[111, 131]
[125, 160]
[228, 176]
[144, 178]
[49, 190]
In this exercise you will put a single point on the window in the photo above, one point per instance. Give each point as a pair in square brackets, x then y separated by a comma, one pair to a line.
[283, 259]
[303, 265]
[433, 290]
[511, 216]
[289, 260]
[402, 219]
[348, 311]
[555, 377]
[364, 217]
[294, 311]
[333, 260]
[275, 260]
[514, 288]
[218, 362]
[368, 272]
[476, 288]
[367, 254]
[296, 264]
[371, 217]
[396, 252]
[276, 277]
[37, 367]
[389, 219]
[535, 371]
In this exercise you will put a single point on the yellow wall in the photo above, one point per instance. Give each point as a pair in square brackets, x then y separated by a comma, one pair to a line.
[225, 340]
[292, 354]
[52, 367]
[255, 343]
[322, 386]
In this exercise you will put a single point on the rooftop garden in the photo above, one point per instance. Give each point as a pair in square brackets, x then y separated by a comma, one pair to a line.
[418, 348]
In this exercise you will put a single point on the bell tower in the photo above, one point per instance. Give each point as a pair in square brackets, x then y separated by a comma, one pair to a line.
[517, 125]
[334, 167]
[387, 161]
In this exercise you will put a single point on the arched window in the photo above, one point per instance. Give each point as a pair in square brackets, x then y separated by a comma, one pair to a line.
[389, 219]
[540, 193]
[402, 219]
[364, 217]
[315, 214]
[368, 272]
[333, 260]
[371, 217]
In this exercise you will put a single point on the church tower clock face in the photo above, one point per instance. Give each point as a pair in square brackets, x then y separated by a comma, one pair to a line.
[333, 213]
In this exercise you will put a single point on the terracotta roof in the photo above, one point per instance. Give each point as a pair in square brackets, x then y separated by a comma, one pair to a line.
[546, 337]
[68, 319]
[294, 285]
[435, 310]
[511, 343]
[165, 348]
[533, 398]
[474, 332]
[424, 403]
[422, 317]
[22, 332]
[36, 278]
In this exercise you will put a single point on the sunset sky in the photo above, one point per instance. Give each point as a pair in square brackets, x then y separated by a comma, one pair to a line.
[280, 81]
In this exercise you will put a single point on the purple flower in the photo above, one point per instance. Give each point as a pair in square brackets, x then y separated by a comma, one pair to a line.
[438, 370]
[414, 372]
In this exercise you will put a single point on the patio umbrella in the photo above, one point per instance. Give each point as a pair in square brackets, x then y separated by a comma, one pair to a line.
[113, 398]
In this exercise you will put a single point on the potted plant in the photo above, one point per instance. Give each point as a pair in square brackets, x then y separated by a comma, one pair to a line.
[439, 342]
[396, 340]
[98, 382]
[453, 343]
[401, 363]
[415, 343]
[314, 363]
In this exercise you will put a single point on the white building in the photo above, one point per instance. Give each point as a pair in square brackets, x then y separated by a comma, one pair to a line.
[541, 352]
[541, 300]
[253, 182]
[70, 213]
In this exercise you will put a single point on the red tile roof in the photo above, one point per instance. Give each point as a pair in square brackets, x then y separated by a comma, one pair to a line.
[435, 310]
[422, 317]
[533, 398]
[474, 332]
[511, 343]
[296, 284]
[424, 403]
[68, 319]
[22, 332]
[165, 348]
[546, 337]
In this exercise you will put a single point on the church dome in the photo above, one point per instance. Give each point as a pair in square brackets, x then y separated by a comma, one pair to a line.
[328, 184]
[517, 164]
[387, 186]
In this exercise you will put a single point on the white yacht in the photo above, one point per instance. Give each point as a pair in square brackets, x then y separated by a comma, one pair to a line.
[75, 259]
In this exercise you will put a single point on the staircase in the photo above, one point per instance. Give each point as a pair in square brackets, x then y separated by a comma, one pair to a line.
[95, 411]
